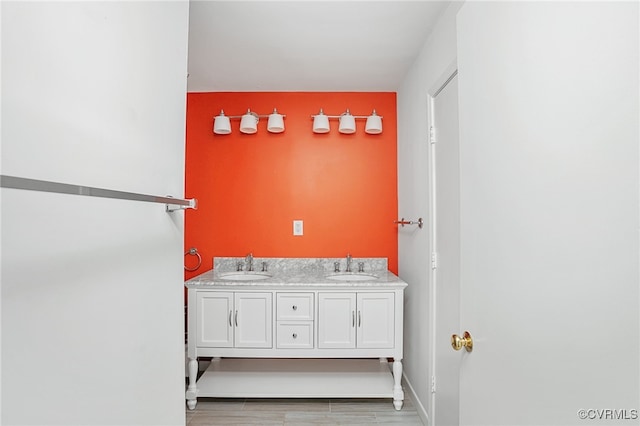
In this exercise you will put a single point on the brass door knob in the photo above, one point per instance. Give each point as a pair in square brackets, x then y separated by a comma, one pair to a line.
[465, 341]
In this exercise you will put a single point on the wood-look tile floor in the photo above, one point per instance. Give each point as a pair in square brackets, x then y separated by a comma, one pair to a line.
[258, 411]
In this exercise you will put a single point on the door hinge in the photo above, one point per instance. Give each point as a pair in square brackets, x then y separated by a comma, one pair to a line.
[433, 384]
[432, 135]
[434, 260]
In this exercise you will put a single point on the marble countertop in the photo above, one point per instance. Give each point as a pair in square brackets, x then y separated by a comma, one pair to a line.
[293, 272]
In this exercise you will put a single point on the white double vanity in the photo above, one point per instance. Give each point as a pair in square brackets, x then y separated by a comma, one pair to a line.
[296, 328]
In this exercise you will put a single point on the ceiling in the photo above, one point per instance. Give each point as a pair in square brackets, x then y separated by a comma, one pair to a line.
[332, 46]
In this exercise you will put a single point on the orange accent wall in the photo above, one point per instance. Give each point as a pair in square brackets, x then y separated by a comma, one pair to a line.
[250, 188]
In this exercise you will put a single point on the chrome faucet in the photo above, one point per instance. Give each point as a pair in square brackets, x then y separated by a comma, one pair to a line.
[249, 262]
[349, 259]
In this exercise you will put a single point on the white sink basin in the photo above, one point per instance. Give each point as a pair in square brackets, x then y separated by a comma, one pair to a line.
[244, 276]
[351, 276]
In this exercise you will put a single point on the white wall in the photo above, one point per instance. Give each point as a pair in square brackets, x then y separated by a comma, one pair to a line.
[93, 93]
[433, 63]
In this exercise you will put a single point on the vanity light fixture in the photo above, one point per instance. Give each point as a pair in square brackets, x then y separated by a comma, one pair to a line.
[248, 122]
[221, 124]
[275, 124]
[347, 122]
[321, 123]
[374, 124]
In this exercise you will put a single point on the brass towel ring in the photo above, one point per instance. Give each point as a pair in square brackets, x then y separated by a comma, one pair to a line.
[193, 252]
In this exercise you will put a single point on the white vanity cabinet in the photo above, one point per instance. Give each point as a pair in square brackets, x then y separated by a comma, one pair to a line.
[295, 336]
[356, 320]
[233, 320]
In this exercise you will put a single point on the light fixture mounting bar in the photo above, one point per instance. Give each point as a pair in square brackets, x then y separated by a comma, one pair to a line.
[252, 113]
[339, 116]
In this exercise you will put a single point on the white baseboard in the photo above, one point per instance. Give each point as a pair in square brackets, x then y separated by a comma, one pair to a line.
[422, 412]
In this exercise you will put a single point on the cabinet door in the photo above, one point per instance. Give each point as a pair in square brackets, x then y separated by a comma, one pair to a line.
[253, 320]
[336, 320]
[375, 319]
[213, 323]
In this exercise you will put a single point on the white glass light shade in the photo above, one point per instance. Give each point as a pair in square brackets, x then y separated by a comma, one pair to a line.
[221, 124]
[321, 123]
[249, 123]
[347, 123]
[275, 123]
[374, 124]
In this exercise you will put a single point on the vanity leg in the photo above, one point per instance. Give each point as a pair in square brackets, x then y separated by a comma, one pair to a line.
[398, 393]
[192, 392]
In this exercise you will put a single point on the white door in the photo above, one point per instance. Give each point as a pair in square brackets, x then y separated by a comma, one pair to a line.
[336, 320]
[549, 197]
[375, 320]
[446, 245]
[253, 320]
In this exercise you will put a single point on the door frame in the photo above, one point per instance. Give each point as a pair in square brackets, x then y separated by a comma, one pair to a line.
[447, 75]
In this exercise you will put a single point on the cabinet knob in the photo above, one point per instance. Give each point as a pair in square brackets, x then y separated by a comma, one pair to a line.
[294, 307]
[295, 335]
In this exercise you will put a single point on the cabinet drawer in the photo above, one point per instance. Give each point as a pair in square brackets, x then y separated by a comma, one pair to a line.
[295, 334]
[294, 306]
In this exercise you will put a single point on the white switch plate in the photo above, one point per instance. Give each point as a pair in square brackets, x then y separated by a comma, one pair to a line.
[297, 227]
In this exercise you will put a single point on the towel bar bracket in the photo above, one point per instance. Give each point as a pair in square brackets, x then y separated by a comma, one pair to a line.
[193, 204]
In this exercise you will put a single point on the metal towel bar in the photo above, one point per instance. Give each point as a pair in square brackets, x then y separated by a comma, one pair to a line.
[403, 222]
[64, 188]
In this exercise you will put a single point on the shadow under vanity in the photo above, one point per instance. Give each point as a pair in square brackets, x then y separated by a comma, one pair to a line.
[296, 328]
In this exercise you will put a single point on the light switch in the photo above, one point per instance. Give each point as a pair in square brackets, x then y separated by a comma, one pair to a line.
[297, 227]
